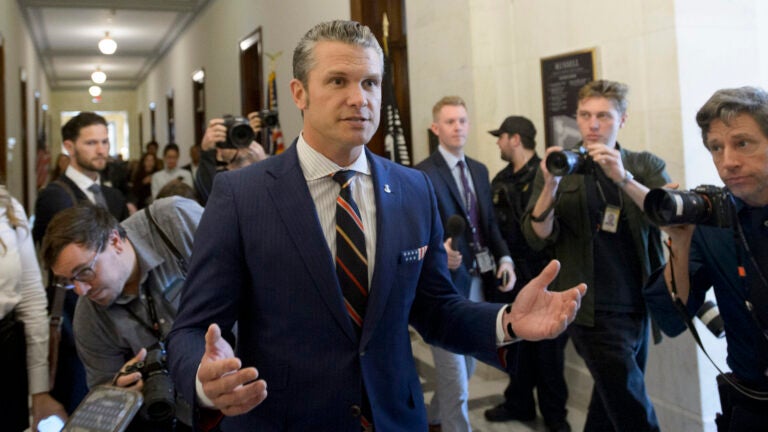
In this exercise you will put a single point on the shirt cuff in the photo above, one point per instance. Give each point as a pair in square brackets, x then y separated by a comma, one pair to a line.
[500, 328]
[506, 258]
[202, 399]
[500, 333]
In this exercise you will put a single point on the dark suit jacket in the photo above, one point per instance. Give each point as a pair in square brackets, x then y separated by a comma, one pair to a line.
[53, 199]
[260, 258]
[450, 202]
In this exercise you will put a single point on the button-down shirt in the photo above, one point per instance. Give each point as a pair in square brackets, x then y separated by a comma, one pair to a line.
[83, 182]
[318, 171]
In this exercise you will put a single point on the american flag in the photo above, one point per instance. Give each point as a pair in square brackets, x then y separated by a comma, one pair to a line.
[394, 138]
[276, 144]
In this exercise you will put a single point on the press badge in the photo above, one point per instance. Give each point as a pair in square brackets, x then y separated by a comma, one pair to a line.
[484, 261]
[611, 219]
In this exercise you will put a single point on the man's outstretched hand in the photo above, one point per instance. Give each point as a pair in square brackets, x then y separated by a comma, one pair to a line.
[233, 390]
[538, 313]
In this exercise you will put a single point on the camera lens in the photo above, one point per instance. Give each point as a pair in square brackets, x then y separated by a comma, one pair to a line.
[159, 400]
[669, 207]
[564, 162]
[709, 314]
[241, 135]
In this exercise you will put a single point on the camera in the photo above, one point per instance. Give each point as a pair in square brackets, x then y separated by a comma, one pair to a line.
[239, 133]
[709, 314]
[268, 118]
[159, 394]
[704, 205]
[565, 162]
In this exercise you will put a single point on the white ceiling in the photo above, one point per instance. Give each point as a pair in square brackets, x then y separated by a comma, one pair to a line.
[66, 34]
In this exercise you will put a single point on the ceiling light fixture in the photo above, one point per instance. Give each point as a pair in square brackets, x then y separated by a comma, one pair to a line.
[94, 91]
[98, 76]
[107, 45]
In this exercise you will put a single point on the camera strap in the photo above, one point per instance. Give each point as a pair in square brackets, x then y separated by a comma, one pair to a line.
[171, 247]
[683, 310]
[754, 297]
[154, 325]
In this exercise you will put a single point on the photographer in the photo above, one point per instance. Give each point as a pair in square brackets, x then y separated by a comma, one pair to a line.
[734, 127]
[129, 277]
[594, 222]
[219, 154]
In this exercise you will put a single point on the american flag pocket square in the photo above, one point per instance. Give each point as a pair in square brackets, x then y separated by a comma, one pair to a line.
[413, 255]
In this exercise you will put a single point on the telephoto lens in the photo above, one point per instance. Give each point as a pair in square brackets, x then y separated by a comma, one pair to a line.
[704, 205]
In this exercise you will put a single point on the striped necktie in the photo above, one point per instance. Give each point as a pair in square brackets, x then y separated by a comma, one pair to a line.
[352, 271]
[351, 259]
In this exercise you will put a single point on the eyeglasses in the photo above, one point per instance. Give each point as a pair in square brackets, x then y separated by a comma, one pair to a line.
[86, 274]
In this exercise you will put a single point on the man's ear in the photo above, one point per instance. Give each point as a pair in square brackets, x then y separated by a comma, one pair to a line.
[116, 241]
[623, 120]
[299, 94]
[433, 128]
[69, 145]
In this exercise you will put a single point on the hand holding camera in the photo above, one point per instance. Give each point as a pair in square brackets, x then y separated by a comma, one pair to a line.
[148, 372]
[703, 205]
[239, 133]
[129, 377]
[584, 160]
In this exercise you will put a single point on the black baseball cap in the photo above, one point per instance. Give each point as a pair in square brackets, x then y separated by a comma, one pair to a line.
[515, 125]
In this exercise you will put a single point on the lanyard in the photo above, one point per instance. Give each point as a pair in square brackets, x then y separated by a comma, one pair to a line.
[154, 327]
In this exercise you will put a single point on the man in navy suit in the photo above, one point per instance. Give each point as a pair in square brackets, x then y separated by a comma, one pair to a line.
[463, 189]
[264, 257]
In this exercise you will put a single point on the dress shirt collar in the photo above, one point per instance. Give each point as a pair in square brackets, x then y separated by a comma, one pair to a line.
[450, 158]
[81, 180]
[315, 165]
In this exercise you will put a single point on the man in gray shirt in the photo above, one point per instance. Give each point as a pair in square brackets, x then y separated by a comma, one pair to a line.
[129, 276]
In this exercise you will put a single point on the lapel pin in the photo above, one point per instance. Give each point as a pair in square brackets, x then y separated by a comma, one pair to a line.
[387, 189]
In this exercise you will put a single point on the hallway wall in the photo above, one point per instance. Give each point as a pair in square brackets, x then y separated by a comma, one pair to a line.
[20, 55]
[211, 43]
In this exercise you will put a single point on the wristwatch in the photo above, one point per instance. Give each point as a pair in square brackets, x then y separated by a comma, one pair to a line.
[627, 177]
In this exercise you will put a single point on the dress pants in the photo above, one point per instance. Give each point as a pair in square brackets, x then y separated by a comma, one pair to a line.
[615, 351]
[449, 403]
[537, 365]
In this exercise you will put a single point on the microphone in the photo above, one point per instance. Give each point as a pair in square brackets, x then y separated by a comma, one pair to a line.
[455, 227]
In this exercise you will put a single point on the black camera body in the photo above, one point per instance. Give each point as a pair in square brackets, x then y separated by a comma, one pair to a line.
[268, 118]
[703, 205]
[159, 393]
[566, 162]
[239, 133]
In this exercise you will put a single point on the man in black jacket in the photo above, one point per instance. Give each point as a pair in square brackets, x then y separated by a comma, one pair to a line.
[530, 364]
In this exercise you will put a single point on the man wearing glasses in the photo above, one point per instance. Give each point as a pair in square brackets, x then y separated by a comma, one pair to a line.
[129, 277]
[86, 140]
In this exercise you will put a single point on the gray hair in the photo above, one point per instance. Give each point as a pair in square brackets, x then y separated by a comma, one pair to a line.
[726, 104]
[350, 32]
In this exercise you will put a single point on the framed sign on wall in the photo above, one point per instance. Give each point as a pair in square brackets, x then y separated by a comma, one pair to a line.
[561, 78]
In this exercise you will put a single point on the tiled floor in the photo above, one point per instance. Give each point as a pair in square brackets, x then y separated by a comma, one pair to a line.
[485, 391]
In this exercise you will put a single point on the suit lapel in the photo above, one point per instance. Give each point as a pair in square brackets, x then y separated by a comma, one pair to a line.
[300, 218]
[388, 202]
[447, 177]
